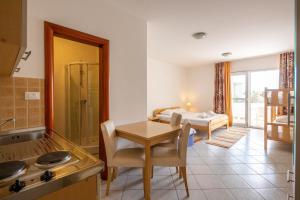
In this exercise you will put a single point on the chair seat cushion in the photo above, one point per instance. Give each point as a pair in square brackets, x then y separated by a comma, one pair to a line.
[165, 156]
[129, 157]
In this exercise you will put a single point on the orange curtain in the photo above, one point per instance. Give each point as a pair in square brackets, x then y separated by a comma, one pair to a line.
[222, 99]
[228, 102]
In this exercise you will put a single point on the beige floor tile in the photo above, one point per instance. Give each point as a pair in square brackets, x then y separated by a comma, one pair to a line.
[118, 184]
[162, 171]
[233, 181]
[192, 183]
[232, 160]
[133, 195]
[194, 195]
[213, 160]
[192, 152]
[221, 169]
[209, 181]
[113, 195]
[242, 169]
[205, 153]
[174, 173]
[218, 194]
[235, 152]
[246, 194]
[279, 168]
[279, 180]
[247, 159]
[195, 161]
[200, 169]
[263, 159]
[162, 182]
[164, 195]
[134, 182]
[261, 168]
[272, 194]
[257, 181]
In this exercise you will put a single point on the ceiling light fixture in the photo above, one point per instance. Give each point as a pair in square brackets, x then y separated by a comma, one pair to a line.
[199, 35]
[226, 54]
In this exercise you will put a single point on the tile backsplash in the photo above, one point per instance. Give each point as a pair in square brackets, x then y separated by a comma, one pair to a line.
[28, 113]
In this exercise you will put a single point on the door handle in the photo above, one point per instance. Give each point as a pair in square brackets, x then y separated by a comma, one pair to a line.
[289, 176]
[290, 196]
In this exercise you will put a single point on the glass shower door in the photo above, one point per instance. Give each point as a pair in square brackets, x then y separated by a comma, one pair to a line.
[73, 99]
[82, 103]
[91, 106]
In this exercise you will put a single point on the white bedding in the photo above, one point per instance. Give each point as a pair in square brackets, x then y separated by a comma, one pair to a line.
[194, 118]
[284, 119]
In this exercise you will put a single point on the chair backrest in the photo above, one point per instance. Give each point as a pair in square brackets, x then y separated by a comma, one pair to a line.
[110, 140]
[183, 142]
[175, 119]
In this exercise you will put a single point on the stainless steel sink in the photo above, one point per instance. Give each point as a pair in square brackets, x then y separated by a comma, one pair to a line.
[21, 135]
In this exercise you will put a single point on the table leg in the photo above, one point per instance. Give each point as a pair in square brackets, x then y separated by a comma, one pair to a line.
[147, 178]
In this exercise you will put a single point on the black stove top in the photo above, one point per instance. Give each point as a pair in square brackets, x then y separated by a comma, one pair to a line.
[11, 169]
[56, 157]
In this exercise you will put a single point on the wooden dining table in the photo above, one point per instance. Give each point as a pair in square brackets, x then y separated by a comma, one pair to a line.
[147, 133]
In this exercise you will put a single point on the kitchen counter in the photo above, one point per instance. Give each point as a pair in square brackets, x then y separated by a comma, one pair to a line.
[28, 145]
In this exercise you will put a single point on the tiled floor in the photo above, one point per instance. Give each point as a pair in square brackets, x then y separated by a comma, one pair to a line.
[243, 172]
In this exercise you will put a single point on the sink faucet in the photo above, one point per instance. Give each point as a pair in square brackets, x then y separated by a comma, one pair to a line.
[7, 120]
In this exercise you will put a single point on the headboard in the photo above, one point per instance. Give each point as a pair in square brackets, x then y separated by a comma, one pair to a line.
[159, 110]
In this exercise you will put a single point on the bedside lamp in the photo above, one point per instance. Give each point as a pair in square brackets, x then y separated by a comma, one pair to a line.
[188, 105]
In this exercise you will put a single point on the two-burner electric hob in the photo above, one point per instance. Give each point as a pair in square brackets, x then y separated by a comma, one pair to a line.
[30, 165]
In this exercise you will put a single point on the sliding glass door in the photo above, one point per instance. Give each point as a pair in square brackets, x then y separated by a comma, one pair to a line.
[239, 98]
[248, 96]
[259, 80]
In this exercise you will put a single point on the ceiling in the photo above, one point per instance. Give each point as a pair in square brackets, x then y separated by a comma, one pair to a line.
[247, 28]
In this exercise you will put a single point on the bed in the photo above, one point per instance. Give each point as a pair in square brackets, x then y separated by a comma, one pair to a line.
[205, 121]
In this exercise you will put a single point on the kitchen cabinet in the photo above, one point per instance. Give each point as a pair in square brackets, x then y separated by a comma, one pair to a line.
[13, 34]
[85, 189]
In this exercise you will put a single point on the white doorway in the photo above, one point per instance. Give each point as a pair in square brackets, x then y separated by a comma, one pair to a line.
[248, 96]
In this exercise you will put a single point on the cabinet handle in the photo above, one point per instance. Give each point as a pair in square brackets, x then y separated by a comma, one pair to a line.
[27, 54]
[17, 69]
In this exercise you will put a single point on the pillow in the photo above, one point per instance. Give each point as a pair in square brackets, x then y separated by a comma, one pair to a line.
[202, 115]
[180, 110]
[167, 112]
[211, 113]
[171, 111]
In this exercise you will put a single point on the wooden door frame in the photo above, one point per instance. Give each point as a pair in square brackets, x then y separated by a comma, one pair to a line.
[51, 30]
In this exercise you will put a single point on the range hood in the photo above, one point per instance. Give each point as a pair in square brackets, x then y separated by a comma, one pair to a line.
[13, 34]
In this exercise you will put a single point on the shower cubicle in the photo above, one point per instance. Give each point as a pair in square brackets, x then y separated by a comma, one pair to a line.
[82, 104]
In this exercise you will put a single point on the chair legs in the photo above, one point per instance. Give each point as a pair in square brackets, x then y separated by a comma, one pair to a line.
[109, 176]
[114, 173]
[183, 172]
[180, 173]
[152, 171]
[144, 172]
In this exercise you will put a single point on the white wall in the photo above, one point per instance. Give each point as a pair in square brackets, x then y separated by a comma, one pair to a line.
[200, 84]
[165, 85]
[257, 63]
[200, 80]
[128, 48]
